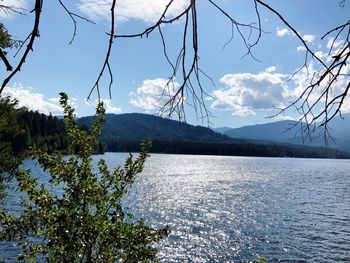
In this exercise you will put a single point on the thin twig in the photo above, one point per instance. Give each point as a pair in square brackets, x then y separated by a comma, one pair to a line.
[73, 15]
[106, 61]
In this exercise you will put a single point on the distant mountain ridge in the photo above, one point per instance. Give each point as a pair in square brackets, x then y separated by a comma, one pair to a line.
[288, 131]
[276, 131]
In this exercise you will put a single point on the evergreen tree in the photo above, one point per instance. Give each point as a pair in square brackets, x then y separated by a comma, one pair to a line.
[10, 131]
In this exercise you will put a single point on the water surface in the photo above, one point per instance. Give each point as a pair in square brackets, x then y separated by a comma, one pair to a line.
[236, 209]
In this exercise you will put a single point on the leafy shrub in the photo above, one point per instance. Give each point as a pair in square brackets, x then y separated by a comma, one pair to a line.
[86, 223]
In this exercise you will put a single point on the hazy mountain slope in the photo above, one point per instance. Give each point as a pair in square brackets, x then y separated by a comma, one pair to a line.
[276, 131]
[221, 130]
[339, 127]
[282, 132]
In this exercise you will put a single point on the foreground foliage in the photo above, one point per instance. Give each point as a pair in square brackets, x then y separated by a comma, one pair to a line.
[85, 222]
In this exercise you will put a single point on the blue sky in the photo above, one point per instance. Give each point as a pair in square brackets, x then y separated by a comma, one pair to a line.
[245, 90]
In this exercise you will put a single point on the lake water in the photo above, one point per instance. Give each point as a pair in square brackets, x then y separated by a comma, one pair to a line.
[236, 209]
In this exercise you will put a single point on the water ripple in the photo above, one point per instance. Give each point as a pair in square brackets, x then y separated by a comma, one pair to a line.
[236, 209]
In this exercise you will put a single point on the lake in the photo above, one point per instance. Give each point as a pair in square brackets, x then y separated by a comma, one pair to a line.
[236, 209]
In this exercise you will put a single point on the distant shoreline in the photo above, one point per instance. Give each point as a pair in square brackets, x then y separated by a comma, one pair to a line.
[230, 149]
[217, 155]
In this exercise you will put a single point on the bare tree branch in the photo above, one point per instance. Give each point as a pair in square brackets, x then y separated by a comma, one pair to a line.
[239, 26]
[321, 100]
[278, 14]
[185, 67]
[32, 36]
[319, 108]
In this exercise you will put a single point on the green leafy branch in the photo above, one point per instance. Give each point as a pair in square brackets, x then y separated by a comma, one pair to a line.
[86, 222]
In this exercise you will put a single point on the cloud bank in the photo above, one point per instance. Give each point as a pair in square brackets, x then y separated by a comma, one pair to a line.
[247, 92]
[32, 100]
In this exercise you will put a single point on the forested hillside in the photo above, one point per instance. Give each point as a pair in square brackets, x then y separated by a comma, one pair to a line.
[124, 132]
[136, 127]
[39, 129]
[231, 149]
[22, 128]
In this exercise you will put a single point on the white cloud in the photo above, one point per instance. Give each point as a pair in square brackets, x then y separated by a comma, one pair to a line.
[346, 105]
[245, 93]
[270, 69]
[107, 104]
[309, 38]
[110, 108]
[153, 94]
[33, 100]
[71, 101]
[282, 117]
[320, 54]
[281, 32]
[301, 49]
[16, 4]
[145, 10]
[248, 92]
